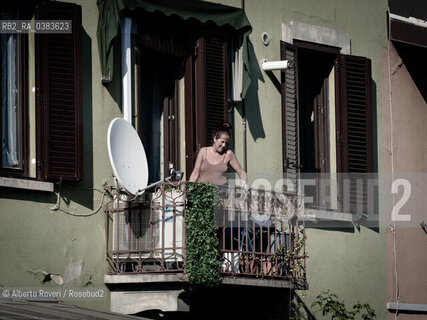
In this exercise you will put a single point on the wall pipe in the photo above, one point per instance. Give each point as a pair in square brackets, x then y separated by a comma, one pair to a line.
[126, 24]
[244, 122]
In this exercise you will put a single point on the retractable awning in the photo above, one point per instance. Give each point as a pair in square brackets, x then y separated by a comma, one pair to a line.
[111, 10]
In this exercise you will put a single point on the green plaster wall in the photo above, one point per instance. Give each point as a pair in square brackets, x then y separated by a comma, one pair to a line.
[363, 22]
[350, 261]
[33, 239]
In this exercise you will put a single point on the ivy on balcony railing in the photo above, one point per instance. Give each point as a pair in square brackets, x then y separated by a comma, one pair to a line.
[203, 266]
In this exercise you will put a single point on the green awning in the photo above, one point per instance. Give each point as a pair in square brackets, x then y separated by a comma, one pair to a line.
[111, 10]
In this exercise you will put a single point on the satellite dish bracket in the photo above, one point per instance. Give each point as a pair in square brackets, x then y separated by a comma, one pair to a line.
[178, 175]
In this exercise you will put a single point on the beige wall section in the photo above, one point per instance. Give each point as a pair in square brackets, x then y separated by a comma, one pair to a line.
[408, 122]
[404, 154]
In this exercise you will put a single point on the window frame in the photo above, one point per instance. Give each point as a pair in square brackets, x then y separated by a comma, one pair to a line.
[154, 40]
[45, 10]
[22, 171]
[199, 121]
[340, 115]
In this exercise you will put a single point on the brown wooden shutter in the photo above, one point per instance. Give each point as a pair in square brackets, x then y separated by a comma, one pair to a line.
[289, 91]
[58, 58]
[205, 94]
[215, 91]
[354, 122]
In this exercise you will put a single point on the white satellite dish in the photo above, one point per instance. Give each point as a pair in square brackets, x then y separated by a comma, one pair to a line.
[127, 156]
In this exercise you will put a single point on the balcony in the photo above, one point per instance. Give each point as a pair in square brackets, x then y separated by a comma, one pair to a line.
[261, 238]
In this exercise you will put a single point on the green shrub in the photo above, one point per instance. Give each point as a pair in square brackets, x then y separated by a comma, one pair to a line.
[329, 304]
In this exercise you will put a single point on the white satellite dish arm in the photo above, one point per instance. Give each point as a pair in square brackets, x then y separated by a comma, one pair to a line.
[173, 174]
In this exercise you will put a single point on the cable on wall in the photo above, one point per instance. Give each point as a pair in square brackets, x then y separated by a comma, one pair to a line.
[57, 206]
[393, 225]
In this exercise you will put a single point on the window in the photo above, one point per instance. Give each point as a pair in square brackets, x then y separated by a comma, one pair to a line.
[327, 123]
[181, 89]
[161, 50]
[53, 150]
[13, 103]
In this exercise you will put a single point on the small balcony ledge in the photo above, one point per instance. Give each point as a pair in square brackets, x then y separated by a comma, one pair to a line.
[112, 279]
[139, 279]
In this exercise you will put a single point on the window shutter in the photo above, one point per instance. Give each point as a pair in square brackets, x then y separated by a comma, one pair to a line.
[215, 90]
[354, 123]
[206, 93]
[59, 95]
[289, 92]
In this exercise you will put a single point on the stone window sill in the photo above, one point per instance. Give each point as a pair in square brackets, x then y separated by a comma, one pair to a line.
[26, 184]
[320, 214]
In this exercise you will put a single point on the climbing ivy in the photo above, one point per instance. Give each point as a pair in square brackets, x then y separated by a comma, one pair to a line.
[203, 265]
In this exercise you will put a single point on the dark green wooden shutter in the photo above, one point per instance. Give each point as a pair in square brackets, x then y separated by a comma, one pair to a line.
[215, 90]
[59, 93]
[289, 93]
[354, 124]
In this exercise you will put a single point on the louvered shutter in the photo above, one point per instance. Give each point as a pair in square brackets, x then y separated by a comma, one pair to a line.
[206, 93]
[354, 125]
[215, 90]
[289, 92]
[59, 95]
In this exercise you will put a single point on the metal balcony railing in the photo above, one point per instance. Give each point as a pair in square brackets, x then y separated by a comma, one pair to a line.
[259, 233]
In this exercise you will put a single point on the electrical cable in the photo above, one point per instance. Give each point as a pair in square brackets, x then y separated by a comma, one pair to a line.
[57, 206]
[393, 226]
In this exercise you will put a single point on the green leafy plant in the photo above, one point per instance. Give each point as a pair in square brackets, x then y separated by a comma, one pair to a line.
[329, 304]
[294, 259]
[203, 266]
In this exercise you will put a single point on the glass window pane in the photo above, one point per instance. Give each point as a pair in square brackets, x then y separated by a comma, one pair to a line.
[10, 102]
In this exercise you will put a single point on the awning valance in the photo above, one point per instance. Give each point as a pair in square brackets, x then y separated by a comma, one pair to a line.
[111, 10]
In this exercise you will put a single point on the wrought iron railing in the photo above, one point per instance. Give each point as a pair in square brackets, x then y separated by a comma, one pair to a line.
[259, 232]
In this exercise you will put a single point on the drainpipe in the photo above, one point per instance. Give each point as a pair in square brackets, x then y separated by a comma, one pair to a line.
[245, 153]
[245, 161]
[126, 24]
